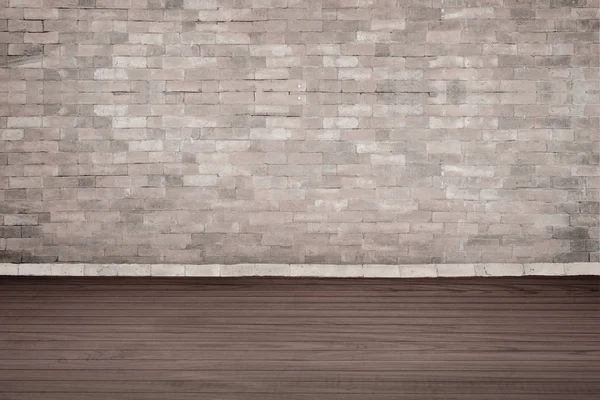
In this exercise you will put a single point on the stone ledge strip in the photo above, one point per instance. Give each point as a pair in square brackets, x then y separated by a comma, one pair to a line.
[304, 270]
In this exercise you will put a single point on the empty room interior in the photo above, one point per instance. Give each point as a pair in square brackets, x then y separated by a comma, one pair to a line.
[299, 199]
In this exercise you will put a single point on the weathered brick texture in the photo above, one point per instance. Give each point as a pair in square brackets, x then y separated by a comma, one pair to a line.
[299, 131]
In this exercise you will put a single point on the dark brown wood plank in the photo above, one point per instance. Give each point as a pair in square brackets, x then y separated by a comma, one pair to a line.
[238, 287]
[321, 375]
[134, 338]
[289, 396]
[231, 282]
[311, 295]
[513, 301]
[324, 330]
[272, 308]
[382, 315]
[336, 385]
[282, 324]
[210, 354]
[171, 333]
[302, 365]
[428, 344]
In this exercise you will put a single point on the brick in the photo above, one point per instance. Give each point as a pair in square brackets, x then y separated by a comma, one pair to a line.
[381, 271]
[356, 74]
[499, 269]
[256, 270]
[129, 122]
[418, 271]
[24, 122]
[349, 271]
[117, 270]
[202, 270]
[9, 269]
[67, 269]
[545, 269]
[452, 133]
[167, 270]
[584, 268]
[42, 37]
[129, 62]
[455, 270]
[444, 147]
[35, 269]
[347, 122]
[199, 180]
[380, 159]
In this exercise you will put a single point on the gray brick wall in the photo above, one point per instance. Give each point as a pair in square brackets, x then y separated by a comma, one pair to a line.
[299, 131]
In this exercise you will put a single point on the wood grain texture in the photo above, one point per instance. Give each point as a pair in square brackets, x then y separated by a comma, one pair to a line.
[299, 339]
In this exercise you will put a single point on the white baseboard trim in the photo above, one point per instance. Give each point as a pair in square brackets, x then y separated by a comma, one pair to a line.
[304, 270]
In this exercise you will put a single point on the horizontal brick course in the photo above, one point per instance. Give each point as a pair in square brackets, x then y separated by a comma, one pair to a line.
[300, 132]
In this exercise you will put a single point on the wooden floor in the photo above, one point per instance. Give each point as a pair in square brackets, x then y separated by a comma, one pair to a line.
[299, 339]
